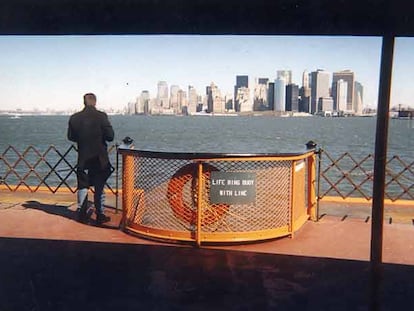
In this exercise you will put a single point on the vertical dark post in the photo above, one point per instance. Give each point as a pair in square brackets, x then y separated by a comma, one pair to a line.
[381, 136]
[381, 148]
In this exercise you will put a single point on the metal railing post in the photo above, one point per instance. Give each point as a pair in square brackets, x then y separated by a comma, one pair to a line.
[127, 185]
[311, 187]
[292, 200]
[318, 186]
[116, 179]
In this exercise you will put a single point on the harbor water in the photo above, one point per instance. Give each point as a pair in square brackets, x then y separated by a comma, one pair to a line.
[355, 135]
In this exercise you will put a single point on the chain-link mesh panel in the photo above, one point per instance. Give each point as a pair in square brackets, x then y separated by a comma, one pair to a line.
[399, 183]
[348, 176]
[52, 168]
[271, 208]
[150, 203]
[164, 195]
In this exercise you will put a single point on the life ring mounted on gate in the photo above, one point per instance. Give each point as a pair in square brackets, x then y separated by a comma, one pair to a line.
[182, 209]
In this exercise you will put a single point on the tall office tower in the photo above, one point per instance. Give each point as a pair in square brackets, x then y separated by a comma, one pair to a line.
[305, 79]
[192, 100]
[214, 100]
[174, 89]
[260, 95]
[199, 103]
[182, 101]
[305, 93]
[340, 92]
[242, 101]
[142, 99]
[264, 81]
[208, 99]
[152, 105]
[304, 100]
[139, 108]
[145, 101]
[280, 94]
[292, 97]
[242, 81]
[319, 88]
[286, 75]
[131, 107]
[349, 77]
[271, 96]
[162, 95]
[358, 98]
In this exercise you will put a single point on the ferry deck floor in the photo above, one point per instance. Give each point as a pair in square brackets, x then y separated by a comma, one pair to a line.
[49, 261]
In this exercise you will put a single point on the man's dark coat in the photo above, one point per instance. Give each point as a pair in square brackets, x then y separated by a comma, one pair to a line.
[91, 129]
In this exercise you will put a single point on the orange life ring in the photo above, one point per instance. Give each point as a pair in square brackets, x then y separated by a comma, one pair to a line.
[175, 196]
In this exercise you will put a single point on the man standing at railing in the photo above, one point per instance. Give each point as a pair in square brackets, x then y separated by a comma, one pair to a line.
[91, 129]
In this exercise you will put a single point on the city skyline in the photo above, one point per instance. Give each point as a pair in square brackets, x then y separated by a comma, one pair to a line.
[320, 93]
[54, 72]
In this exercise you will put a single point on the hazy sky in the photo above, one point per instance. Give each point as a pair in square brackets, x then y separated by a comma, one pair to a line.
[55, 71]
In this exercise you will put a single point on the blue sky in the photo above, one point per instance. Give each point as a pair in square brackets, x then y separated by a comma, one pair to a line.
[55, 71]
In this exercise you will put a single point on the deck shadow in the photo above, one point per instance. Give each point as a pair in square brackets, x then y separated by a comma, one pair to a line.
[54, 209]
[64, 211]
[75, 275]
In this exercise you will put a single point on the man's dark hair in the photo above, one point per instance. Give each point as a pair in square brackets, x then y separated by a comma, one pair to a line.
[87, 97]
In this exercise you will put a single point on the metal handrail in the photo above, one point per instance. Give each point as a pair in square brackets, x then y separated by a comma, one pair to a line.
[358, 179]
[344, 175]
[52, 169]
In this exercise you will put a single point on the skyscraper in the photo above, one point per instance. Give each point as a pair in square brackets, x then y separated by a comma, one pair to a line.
[243, 101]
[145, 101]
[340, 95]
[286, 75]
[241, 90]
[260, 95]
[242, 81]
[349, 77]
[319, 88]
[192, 100]
[305, 79]
[292, 97]
[358, 98]
[214, 100]
[280, 94]
[182, 101]
[305, 93]
[304, 102]
[131, 108]
[263, 81]
[271, 96]
[162, 94]
[141, 106]
[174, 89]
[209, 99]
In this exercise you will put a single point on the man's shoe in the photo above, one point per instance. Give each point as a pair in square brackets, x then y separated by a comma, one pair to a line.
[102, 218]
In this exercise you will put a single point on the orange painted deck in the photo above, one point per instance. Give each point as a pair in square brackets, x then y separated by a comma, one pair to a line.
[51, 262]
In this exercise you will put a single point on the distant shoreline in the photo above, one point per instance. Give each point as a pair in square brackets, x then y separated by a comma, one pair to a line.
[275, 114]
